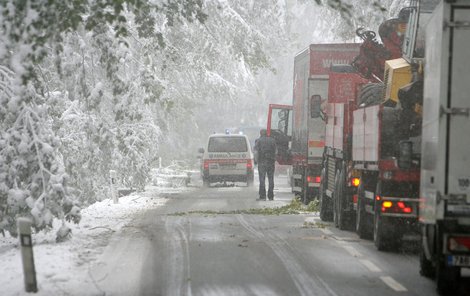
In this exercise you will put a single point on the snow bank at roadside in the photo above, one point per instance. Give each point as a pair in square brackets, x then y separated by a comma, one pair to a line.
[62, 268]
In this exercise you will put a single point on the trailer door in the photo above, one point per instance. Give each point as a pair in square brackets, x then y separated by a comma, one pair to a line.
[280, 128]
[458, 112]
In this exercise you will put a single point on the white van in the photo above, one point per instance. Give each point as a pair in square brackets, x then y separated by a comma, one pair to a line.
[227, 157]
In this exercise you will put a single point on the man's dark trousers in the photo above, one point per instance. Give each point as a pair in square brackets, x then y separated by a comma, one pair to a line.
[263, 170]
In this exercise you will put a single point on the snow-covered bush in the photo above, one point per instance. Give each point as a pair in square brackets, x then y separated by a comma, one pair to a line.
[32, 179]
[174, 175]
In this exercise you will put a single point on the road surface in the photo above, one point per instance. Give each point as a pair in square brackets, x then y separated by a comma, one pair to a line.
[192, 246]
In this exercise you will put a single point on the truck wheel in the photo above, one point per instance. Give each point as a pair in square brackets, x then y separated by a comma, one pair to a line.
[341, 216]
[447, 279]
[206, 183]
[249, 181]
[336, 202]
[385, 239]
[325, 203]
[305, 194]
[426, 268]
[363, 226]
[382, 239]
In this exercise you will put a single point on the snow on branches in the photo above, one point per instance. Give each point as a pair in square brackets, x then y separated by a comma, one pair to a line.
[39, 146]
[32, 181]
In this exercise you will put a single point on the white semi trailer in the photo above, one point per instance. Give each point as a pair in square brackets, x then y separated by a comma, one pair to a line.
[444, 211]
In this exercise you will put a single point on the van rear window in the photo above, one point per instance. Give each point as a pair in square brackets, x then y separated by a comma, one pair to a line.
[227, 144]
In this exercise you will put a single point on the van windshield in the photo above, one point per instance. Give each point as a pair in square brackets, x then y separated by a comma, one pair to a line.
[227, 144]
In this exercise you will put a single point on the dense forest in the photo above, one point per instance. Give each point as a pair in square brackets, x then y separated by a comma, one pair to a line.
[88, 86]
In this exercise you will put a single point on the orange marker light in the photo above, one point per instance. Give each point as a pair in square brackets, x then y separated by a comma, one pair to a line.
[387, 204]
[355, 182]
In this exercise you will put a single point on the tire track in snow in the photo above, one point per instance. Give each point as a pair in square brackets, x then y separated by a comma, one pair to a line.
[305, 283]
[179, 274]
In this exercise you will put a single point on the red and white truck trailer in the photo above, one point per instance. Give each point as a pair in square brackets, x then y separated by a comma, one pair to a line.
[340, 177]
[387, 137]
[444, 209]
[303, 140]
[339, 180]
[310, 92]
[387, 201]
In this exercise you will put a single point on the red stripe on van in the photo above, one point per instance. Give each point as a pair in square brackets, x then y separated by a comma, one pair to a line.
[226, 160]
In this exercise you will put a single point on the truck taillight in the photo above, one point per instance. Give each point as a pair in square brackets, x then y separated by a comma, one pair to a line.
[206, 164]
[355, 182]
[458, 243]
[313, 179]
[402, 206]
[399, 207]
[249, 164]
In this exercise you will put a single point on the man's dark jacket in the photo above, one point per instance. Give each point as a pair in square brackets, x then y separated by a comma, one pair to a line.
[266, 149]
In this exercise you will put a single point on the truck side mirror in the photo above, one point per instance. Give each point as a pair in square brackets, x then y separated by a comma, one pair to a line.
[315, 106]
[405, 156]
[200, 150]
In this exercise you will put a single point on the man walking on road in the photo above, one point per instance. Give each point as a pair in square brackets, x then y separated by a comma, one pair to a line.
[265, 149]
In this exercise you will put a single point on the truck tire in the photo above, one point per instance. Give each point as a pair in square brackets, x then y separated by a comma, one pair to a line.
[426, 267]
[306, 192]
[339, 216]
[363, 223]
[371, 94]
[206, 183]
[250, 179]
[384, 237]
[325, 203]
[337, 204]
[447, 277]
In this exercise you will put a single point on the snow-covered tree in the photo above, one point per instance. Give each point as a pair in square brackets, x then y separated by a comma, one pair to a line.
[32, 169]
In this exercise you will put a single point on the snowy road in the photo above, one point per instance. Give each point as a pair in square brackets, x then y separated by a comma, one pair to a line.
[176, 241]
[169, 251]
